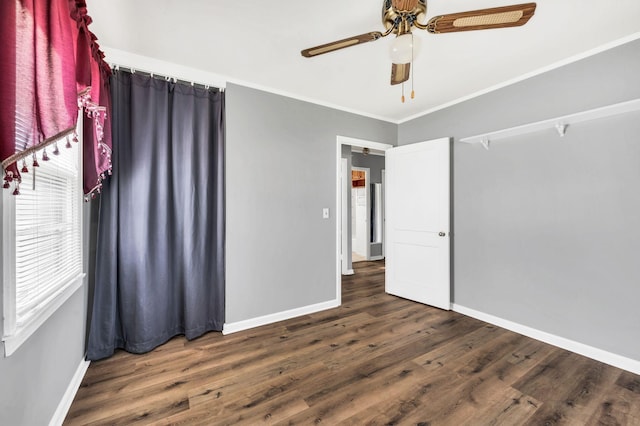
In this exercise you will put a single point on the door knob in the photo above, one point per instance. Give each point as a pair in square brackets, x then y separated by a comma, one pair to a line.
[442, 234]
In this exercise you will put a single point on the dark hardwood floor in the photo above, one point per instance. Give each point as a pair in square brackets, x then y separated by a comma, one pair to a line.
[377, 359]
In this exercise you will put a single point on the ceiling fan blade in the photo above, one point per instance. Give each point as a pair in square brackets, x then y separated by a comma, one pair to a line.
[483, 19]
[341, 44]
[399, 73]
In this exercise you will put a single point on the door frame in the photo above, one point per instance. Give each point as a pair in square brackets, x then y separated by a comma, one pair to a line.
[361, 143]
[344, 217]
[384, 217]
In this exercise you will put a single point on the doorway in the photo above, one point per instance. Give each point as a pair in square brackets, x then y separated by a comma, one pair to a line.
[344, 147]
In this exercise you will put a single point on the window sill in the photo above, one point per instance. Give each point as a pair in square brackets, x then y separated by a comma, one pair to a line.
[13, 342]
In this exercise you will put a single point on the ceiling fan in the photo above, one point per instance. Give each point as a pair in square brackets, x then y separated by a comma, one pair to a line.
[401, 16]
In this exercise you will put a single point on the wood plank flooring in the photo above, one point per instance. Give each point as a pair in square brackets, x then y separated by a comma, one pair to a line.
[377, 360]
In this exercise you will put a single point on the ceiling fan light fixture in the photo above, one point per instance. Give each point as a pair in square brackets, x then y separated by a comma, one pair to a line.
[402, 49]
[401, 17]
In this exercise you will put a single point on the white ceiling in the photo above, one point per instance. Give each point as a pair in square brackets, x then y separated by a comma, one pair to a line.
[258, 43]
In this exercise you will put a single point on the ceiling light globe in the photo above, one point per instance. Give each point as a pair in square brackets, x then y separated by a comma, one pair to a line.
[401, 51]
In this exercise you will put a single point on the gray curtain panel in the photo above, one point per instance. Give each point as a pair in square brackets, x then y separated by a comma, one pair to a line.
[160, 249]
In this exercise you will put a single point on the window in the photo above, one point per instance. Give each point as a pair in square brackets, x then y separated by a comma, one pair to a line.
[42, 243]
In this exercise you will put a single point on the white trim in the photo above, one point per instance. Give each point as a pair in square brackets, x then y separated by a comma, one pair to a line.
[384, 212]
[601, 355]
[181, 72]
[360, 150]
[339, 208]
[373, 258]
[70, 393]
[148, 64]
[344, 217]
[8, 263]
[362, 143]
[234, 327]
[13, 342]
[310, 100]
[349, 272]
[555, 65]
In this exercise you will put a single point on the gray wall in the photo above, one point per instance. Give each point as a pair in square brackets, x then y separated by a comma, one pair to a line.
[281, 172]
[34, 379]
[374, 162]
[547, 229]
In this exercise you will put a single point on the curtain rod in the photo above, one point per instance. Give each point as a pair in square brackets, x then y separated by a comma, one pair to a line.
[134, 70]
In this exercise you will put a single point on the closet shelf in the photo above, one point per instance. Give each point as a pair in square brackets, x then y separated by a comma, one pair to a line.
[559, 123]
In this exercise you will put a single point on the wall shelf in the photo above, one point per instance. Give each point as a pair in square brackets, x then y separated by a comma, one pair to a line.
[560, 124]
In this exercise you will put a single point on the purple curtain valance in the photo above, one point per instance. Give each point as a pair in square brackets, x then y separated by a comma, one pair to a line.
[51, 65]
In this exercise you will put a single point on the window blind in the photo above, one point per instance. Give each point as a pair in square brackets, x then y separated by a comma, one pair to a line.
[48, 252]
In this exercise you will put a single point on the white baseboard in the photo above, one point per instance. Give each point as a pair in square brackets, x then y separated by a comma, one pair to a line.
[70, 393]
[372, 258]
[349, 272]
[234, 327]
[601, 355]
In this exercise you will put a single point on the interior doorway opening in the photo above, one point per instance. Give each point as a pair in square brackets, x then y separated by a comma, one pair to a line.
[354, 154]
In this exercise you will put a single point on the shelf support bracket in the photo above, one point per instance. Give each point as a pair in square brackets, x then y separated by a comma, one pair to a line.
[485, 143]
[561, 128]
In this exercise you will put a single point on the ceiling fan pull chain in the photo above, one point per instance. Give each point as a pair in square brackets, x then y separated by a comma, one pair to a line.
[403, 92]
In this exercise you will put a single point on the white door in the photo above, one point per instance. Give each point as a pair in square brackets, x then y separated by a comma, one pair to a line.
[417, 225]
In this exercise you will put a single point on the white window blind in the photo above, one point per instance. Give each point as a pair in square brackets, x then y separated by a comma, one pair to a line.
[48, 244]
[42, 254]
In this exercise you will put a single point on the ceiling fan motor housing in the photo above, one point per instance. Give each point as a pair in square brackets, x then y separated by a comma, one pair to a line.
[401, 14]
